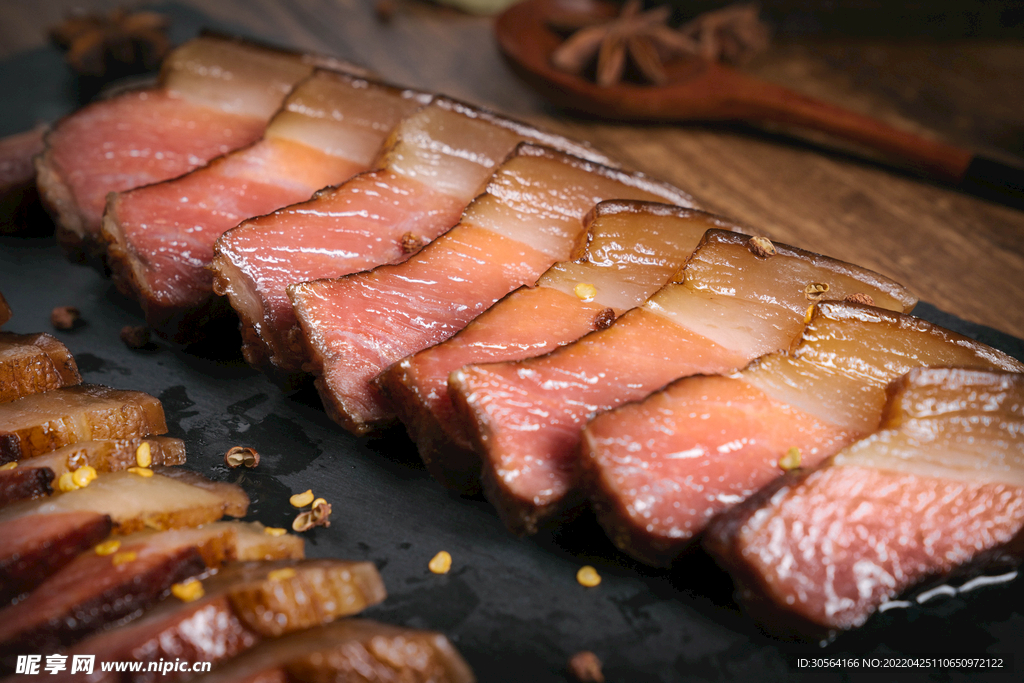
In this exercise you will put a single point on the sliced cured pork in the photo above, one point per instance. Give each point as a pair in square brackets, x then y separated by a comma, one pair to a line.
[167, 499]
[118, 579]
[215, 94]
[160, 237]
[41, 423]
[32, 364]
[937, 491]
[632, 249]
[32, 477]
[349, 650]
[736, 299]
[34, 547]
[529, 217]
[658, 470]
[435, 162]
[241, 605]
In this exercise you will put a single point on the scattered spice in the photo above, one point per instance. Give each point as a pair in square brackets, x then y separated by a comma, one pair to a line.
[860, 298]
[585, 667]
[143, 472]
[301, 500]
[108, 547]
[274, 531]
[791, 460]
[65, 317]
[97, 44]
[9, 466]
[318, 515]
[761, 246]
[124, 558]
[412, 243]
[281, 574]
[604, 319]
[83, 476]
[816, 291]
[188, 591]
[240, 456]
[135, 337]
[144, 455]
[66, 482]
[588, 576]
[440, 563]
[585, 291]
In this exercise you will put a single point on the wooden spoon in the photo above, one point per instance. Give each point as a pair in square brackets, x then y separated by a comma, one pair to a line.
[696, 89]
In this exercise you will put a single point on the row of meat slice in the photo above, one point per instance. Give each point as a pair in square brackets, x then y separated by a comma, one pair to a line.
[76, 565]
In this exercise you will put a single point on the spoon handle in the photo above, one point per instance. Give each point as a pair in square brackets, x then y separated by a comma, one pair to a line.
[753, 99]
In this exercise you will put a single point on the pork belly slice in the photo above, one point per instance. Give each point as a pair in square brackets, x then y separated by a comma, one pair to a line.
[215, 94]
[99, 588]
[242, 605]
[937, 491]
[434, 164]
[27, 479]
[349, 650]
[34, 547]
[41, 423]
[658, 470]
[528, 218]
[728, 306]
[170, 498]
[32, 364]
[632, 249]
[160, 237]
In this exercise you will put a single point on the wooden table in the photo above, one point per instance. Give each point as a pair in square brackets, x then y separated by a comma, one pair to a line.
[962, 254]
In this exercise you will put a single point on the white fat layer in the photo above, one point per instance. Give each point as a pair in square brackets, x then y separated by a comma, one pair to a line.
[448, 150]
[343, 117]
[233, 77]
[749, 327]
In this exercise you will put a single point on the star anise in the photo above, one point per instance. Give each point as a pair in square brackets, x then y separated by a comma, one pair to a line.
[643, 37]
[97, 44]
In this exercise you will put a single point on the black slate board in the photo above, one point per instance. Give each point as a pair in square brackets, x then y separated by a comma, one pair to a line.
[512, 606]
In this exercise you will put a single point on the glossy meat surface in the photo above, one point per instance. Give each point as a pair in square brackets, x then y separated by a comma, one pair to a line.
[215, 95]
[632, 249]
[103, 456]
[728, 306]
[242, 605]
[658, 470]
[161, 236]
[351, 650]
[32, 364]
[936, 490]
[166, 500]
[41, 423]
[529, 217]
[435, 163]
[33, 548]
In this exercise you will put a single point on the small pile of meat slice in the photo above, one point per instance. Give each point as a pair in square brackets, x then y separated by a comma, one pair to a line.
[109, 551]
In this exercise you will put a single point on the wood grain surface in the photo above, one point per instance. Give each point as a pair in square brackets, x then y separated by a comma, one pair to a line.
[960, 253]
